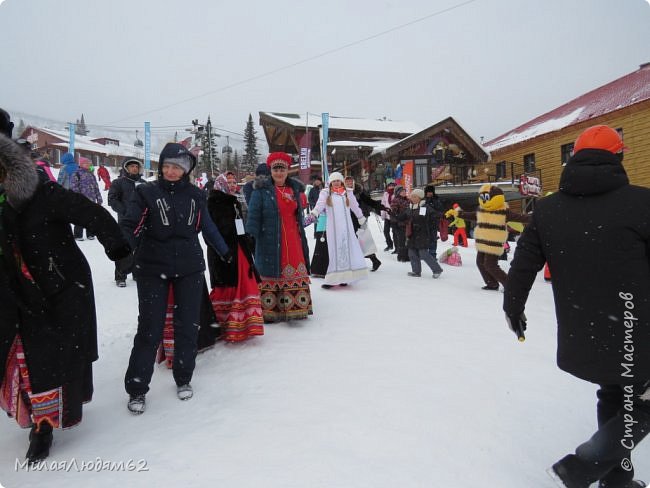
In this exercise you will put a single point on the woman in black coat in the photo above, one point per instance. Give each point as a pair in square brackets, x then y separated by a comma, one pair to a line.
[163, 220]
[235, 292]
[48, 305]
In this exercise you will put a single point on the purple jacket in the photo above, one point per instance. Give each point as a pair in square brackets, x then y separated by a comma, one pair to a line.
[84, 182]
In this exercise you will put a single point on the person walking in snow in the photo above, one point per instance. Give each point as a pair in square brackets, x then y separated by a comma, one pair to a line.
[491, 232]
[437, 209]
[83, 181]
[399, 216]
[105, 176]
[366, 204]
[595, 235]
[48, 325]
[346, 261]
[68, 167]
[235, 295]
[275, 221]
[119, 195]
[386, 201]
[420, 229]
[162, 222]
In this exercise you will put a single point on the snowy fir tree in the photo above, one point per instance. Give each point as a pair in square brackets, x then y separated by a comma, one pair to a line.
[209, 159]
[251, 156]
[21, 127]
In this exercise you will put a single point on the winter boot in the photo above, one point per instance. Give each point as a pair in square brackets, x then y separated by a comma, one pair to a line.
[326, 287]
[490, 287]
[39, 443]
[415, 275]
[375, 262]
[630, 484]
[184, 392]
[436, 275]
[136, 404]
[120, 283]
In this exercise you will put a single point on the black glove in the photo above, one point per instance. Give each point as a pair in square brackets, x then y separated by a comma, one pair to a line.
[125, 265]
[227, 258]
[517, 324]
[120, 252]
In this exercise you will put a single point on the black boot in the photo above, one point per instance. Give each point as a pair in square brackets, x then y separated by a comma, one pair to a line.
[39, 443]
[375, 262]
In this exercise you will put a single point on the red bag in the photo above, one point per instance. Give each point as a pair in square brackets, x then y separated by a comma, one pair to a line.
[443, 229]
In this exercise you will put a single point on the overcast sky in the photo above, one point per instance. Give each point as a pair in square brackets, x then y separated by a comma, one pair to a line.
[490, 64]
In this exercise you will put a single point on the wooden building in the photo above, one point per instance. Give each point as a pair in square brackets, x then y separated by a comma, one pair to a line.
[351, 140]
[545, 143]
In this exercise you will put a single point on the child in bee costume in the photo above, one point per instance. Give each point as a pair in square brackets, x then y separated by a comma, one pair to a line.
[491, 232]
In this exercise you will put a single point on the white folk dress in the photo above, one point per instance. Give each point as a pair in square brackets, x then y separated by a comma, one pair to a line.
[346, 261]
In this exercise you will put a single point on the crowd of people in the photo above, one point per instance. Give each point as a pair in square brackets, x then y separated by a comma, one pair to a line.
[260, 272]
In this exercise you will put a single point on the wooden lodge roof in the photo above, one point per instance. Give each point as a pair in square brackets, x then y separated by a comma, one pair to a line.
[283, 130]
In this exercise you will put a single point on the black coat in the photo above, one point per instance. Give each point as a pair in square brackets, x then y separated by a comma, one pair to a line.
[422, 227]
[595, 235]
[54, 311]
[224, 209]
[163, 220]
[121, 191]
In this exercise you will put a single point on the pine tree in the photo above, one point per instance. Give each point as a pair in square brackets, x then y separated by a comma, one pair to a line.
[251, 156]
[81, 128]
[21, 128]
[209, 148]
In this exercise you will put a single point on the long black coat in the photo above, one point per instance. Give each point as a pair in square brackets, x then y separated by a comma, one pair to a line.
[54, 312]
[595, 235]
[224, 209]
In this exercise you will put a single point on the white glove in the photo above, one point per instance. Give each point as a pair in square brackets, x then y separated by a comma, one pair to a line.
[362, 222]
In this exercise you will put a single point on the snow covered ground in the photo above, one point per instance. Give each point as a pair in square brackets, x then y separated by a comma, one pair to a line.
[393, 382]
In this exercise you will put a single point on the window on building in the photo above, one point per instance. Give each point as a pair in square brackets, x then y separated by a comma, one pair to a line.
[566, 150]
[421, 172]
[529, 163]
[501, 170]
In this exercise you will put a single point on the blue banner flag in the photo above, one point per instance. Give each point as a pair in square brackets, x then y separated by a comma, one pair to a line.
[72, 127]
[326, 122]
[147, 145]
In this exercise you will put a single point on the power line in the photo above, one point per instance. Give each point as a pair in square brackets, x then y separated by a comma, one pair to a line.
[302, 61]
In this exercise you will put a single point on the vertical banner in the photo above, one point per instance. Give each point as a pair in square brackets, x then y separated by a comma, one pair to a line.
[407, 175]
[72, 127]
[305, 157]
[147, 145]
[325, 135]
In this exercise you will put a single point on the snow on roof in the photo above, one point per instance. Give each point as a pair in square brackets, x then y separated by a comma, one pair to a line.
[363, 143]
[86, 143]
[346, 123]
[623, 92]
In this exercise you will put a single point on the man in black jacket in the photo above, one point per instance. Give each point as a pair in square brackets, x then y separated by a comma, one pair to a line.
[595, 235]
[119, 194]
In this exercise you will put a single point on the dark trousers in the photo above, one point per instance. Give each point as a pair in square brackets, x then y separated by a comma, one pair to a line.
[389, 241]
[152, 303]
[78, 232]
[488, 266]
[623, 422]
[433, 247]
[415, 255]
[399, 234]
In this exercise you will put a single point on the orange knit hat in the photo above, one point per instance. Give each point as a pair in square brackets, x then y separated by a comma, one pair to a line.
[600, 137]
